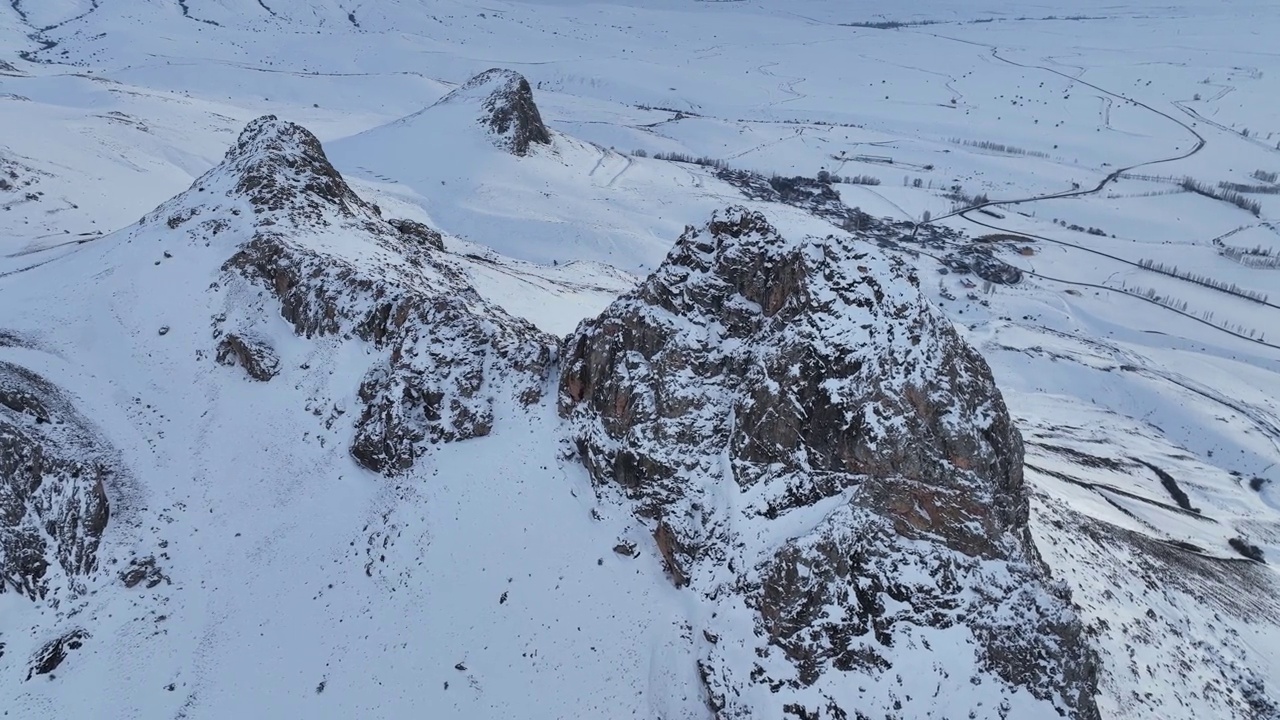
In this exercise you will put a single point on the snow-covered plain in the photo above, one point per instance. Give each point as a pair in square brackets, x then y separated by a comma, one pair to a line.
[498, 591]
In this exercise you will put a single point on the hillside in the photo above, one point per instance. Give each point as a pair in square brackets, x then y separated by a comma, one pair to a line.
[676, 359]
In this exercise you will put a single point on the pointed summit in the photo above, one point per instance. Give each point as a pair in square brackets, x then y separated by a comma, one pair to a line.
[278, 171]
[507, 109]
[274, 233]
[279, 165]
[813, 445]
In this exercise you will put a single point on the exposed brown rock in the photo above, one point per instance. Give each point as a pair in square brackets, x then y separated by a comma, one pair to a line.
[254, 355]
[667, 542]
[443, 353]
[414, 231]
[789, 371]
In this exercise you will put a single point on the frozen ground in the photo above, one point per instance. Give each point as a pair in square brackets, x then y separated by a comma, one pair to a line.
[109, 107]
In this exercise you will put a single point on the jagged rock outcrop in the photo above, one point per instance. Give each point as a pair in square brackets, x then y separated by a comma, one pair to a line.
[54, 653]
[506, 109]
[53, 503]
[417, 232]
[253, 354]
[278, 173]
[305, 247]
[833, 472]
[143, 571]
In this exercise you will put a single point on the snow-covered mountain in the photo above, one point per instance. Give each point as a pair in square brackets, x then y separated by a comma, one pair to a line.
[900, 495]
[832, 472]
[601, 362]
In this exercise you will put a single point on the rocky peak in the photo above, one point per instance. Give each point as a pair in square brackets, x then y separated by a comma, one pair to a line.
[507, 109]
[810, 440]
[823, 324]
[275, 173]
[281, 166]
[444, 358]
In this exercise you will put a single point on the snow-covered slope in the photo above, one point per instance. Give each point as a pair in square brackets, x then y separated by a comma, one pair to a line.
[246, 347]
[290, 445]
[482, 165]
[310, 329]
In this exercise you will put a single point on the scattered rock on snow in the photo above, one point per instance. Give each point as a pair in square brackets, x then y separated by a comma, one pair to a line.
[143, 570]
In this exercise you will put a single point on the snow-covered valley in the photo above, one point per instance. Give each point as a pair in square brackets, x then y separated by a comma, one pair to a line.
[787, 359]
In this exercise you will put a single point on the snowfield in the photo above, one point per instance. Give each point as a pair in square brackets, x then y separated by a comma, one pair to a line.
[1138, 354]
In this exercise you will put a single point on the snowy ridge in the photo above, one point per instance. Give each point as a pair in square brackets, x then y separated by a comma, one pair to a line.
[278, 171]
[334, 476]
[352, 274]
[832, 472]
[355, 339]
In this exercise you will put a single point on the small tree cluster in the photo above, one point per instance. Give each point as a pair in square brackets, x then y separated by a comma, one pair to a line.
[1080, 228]
[1243, 188]
[1183, 307]
[1265, 176]
[998, 147]
[962, 200]
[1203, 280]
[683, 158]
[1247, 549]
[1254, 257]
[889, 24]
[1166, 300]
[1231, 196]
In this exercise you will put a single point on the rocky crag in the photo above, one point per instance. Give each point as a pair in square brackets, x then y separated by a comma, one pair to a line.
[506, 109]
[833, 473]
[309, 250]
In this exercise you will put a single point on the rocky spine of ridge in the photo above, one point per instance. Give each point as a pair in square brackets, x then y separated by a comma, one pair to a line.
[275, 174]
[508, 111]
[831, 469]
[53, 503]
[308, 249]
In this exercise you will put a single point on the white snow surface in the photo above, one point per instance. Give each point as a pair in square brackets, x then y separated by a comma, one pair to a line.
[483, 584]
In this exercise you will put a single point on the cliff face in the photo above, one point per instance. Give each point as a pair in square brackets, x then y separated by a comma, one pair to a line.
[53, 504]
[833, 473]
